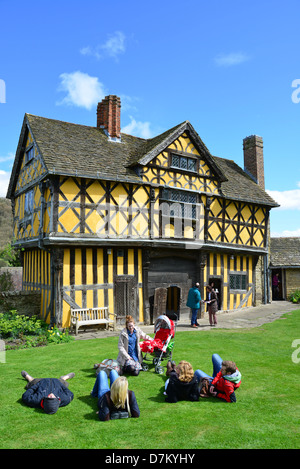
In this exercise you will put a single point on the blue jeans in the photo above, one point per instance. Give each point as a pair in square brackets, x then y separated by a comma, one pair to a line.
[101, 385]
[194, 316]
[217, 364]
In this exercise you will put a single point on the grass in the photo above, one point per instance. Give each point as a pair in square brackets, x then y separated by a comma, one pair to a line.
[266, 415]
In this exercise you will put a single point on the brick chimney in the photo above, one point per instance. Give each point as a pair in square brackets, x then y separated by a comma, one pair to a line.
[109, 116]
[254, 159]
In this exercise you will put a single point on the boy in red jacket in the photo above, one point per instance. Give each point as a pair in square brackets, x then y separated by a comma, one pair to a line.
[226, 379]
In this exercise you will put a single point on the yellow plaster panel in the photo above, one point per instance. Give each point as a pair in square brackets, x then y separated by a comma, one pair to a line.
[260, 215]
[66, 267]
[89, 268]
[96, 192]
[130, 261]
[69, 220]
[100, 266]
[70, 190]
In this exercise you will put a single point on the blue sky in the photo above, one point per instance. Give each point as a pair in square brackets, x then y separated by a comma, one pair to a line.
[231, 68]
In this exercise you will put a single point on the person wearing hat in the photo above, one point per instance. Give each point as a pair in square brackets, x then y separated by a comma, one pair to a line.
[47, 393]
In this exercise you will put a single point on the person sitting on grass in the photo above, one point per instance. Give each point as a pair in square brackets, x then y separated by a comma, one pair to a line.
[182, 384]
[117, 401]
[47, 393]
[130, 355]
[225, 380]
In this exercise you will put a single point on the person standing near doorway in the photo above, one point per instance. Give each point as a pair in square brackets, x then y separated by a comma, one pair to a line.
[275, 286]
[212, 305]
[193, 302]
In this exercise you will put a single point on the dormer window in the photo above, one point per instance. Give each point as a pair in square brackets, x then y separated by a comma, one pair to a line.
[29, 155]
[183, 162]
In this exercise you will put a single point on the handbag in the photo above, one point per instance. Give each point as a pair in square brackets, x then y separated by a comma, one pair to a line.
[107, 365]
[204, 387]
[121, 414]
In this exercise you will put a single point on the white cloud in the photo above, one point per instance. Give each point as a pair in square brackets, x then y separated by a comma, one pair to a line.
[286, 234]
[4, 181]
[227, 60]
[113, 47]
[9, 157]
[288, 200]
[139, 129]
[82, 89]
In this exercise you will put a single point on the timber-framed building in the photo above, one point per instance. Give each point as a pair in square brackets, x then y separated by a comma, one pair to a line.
[109, 219]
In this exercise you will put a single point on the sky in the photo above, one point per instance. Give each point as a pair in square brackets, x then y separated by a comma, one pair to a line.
[230, 68]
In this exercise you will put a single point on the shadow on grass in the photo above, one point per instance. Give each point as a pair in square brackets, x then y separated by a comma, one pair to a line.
[92, 403]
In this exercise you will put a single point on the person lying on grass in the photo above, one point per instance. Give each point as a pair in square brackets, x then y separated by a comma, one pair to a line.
[47, 393]
[117, 401]
[225, 380]
[182, 384]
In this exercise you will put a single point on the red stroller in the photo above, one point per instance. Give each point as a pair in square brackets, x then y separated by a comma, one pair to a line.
[161, 347]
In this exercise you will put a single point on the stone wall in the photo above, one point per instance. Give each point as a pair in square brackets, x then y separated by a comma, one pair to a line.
[25, 302]
[292, 280]
[16, 275]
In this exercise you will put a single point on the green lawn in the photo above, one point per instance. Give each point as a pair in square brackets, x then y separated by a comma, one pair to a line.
[266, 414]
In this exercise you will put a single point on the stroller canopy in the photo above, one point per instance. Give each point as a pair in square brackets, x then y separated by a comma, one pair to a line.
[163, 322]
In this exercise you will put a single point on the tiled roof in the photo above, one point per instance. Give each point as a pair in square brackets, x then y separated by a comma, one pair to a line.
[84, 151]
[240, 186]
[285, 252]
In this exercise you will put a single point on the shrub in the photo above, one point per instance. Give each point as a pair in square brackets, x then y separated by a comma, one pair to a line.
[295, 296]
[12, 325]
[56, 336]
[21, 331]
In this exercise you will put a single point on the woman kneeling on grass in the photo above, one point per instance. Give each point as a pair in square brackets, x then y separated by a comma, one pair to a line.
[116, 402]
[130, 355]
[182, 384]
[225, 380]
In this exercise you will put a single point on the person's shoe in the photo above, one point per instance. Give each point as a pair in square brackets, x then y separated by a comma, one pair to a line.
[24, 374]
[194, 325]
[68, 376]
[197, 324]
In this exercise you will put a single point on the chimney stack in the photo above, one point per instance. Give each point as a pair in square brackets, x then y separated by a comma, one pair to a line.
[254, 159]
[109, 116]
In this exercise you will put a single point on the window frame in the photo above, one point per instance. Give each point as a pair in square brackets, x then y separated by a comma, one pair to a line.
[29, 153]
[28, 202]
[169, 200]
[242, 282]
[188, 157]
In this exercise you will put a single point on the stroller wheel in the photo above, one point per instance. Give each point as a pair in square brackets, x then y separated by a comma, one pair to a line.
[145, 367]
[159, 369]
[155, 361]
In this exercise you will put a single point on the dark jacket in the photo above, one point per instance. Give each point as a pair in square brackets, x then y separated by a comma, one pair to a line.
[36, 393]
[213, 305]
[106, 406]
[181, 391]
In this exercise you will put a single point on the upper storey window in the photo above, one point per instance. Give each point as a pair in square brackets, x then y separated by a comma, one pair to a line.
[29, 155]
[183, 162]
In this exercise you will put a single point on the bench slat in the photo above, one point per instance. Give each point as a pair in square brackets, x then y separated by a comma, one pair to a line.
[88, 316]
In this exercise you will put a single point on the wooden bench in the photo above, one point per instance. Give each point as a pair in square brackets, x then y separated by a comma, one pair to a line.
[91, 316]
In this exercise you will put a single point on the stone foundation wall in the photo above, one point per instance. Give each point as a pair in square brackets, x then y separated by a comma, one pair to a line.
[25, 302]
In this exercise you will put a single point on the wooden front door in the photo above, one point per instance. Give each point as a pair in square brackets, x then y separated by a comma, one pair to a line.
[125, 291]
